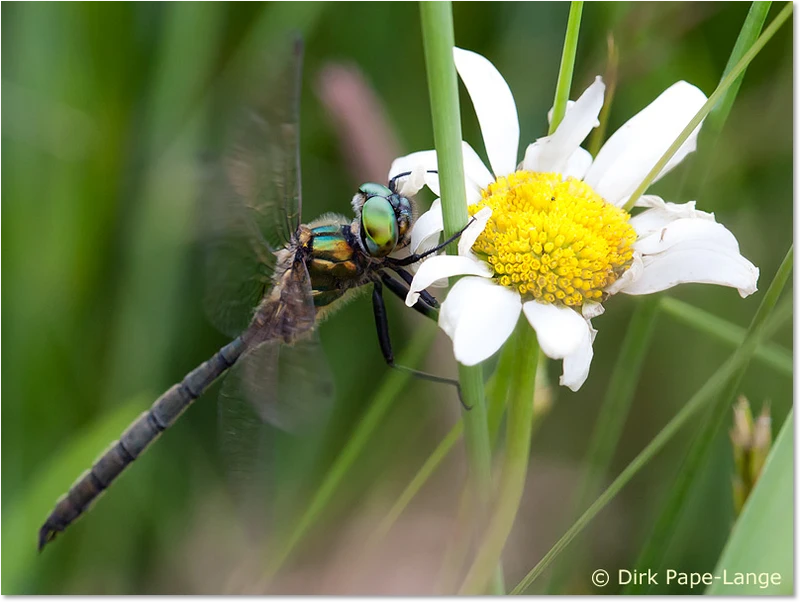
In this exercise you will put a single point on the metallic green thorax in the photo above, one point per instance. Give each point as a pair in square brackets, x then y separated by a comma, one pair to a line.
[334, 263]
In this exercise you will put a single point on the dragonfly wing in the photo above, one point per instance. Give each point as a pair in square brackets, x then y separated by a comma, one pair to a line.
[252, 196]
[287, 386]
[239, 263]
[274, 384]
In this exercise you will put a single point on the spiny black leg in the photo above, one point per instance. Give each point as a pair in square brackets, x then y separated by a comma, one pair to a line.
[401, 290]
[382, 325]
[417, 256]
[423, 294]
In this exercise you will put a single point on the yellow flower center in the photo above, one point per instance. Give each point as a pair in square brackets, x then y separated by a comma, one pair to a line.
[552, 239]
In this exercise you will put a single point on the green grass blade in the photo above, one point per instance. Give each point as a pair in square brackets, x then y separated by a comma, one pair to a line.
[698, 401]
[598, 135]
[159, 228]
[748, 35]
[761, 541]
[26, 513]
[567, 65]
[439, 41]
[712, 101]
[654, 551]
[769, 354]
[613, 414]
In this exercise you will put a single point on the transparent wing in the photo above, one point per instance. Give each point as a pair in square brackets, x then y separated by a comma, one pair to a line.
[252, 196]
[239, 263]
[288, 386]
[274, 384]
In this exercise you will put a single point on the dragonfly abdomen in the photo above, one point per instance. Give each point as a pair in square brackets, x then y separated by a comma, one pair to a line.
[136, 438]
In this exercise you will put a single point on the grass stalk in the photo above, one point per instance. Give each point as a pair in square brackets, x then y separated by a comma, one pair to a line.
[769, 354]
[697, 402]
[748, 35]
[567, 65]
[598, 135]
[655, 549]
[712, 101]
[751, 28]
[613, 414]
[439, 41]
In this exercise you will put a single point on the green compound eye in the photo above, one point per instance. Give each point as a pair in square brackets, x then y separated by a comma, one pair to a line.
[371, 189]
[378, 226]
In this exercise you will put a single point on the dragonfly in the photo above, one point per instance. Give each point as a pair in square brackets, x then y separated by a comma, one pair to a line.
[297, 274]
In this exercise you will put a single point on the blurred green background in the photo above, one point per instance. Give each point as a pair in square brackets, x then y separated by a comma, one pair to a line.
[102, 110]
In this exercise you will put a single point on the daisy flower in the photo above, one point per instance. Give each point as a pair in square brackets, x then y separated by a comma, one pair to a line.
[551, 238]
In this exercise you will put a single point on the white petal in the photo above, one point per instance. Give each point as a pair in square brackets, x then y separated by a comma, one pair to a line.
[412, 184]
[661, 213]
[473, 231]
[575, 369]
[495, 108]
[590, 310]
[700, 232]
[632, 151]
[427, 226]
[630, 275]
[578, 164]
[570, 104]
[478, 315]
[692, 250]
[563, 334]
[575, 165]
[421, 161]
[473, 195]
[551, 153]
[560, 330]
[476, 176]
[444, 266]
[474, 169]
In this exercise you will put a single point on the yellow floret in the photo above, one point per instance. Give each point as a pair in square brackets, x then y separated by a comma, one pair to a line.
[552, 239]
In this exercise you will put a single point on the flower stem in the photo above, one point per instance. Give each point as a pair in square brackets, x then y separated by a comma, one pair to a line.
[718, 94]
[567, 65]
[698, 401]
[515, 464]
[439, 40]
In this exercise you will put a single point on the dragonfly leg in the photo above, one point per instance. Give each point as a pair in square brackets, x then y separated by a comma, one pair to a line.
[393, 181]
[415, 257]
[426, 305]
[382, 325]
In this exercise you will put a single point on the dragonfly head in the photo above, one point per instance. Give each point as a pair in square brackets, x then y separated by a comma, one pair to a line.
[385, 218]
